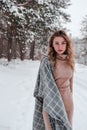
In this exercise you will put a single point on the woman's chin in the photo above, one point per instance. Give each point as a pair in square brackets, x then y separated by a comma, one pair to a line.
[59, 53]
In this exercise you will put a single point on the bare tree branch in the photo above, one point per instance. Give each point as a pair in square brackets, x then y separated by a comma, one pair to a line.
[25, 3]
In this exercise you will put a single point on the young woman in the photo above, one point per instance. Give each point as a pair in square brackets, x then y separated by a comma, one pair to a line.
[54, 86]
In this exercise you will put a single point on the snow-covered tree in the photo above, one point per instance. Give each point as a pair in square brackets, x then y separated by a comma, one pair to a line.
[13, 19]
[45, 17]
[84, 28]
[30, 22]
[84, 37]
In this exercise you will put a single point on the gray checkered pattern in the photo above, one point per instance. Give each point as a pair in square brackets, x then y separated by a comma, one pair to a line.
[47, 97]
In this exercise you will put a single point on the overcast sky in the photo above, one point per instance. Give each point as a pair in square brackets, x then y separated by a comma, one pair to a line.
[77, 10]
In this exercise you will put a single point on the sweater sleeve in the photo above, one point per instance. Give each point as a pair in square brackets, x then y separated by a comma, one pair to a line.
[46, 120]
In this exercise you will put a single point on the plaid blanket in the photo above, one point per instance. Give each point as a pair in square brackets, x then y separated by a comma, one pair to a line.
[47, 97]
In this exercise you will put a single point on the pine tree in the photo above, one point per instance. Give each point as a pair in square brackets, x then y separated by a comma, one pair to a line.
[30, 22]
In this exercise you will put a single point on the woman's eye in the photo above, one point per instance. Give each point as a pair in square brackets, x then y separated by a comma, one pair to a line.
[63, 42]
[56, 43]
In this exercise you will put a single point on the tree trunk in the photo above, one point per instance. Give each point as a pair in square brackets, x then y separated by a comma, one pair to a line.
[14, 48]
[1, 47]
[22, 50]
[9, 48]
[32, 50]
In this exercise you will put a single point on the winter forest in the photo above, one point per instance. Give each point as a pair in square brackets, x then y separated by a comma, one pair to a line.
[25, 28]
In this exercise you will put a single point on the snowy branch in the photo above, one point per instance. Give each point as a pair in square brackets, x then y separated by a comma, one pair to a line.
[25, 3]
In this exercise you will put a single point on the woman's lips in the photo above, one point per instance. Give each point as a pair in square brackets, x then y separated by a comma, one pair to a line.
[60, 50]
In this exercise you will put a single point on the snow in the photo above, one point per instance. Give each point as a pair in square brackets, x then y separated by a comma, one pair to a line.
[17, 81]
[13, 8]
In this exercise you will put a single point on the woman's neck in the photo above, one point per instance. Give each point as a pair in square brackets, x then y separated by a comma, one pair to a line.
[61, 56]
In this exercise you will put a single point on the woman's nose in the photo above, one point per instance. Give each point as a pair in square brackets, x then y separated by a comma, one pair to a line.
[60, 46]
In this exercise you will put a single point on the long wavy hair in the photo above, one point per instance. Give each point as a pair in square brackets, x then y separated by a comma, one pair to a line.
[69, 49]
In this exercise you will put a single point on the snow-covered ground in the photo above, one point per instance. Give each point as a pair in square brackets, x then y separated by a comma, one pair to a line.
[17, 81]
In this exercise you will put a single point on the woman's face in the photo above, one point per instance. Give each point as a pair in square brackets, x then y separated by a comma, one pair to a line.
[59, 45]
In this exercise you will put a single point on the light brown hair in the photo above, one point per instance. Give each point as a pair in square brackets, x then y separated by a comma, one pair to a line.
[69, 48]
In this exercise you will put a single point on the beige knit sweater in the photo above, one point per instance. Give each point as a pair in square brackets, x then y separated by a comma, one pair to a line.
[63, 75]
